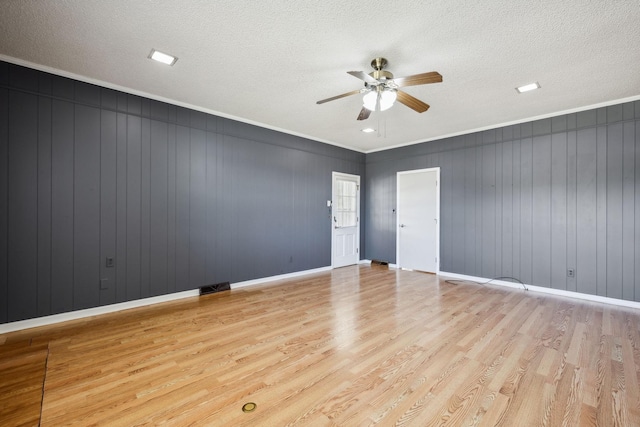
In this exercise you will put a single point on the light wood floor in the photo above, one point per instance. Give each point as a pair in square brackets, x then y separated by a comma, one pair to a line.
[354, 347]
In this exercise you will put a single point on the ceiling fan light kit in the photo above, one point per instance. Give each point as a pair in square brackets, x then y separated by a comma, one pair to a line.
[380, 100]
[381, 89]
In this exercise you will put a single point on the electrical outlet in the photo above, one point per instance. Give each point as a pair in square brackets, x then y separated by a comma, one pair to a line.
[571, 272]
[109, 262]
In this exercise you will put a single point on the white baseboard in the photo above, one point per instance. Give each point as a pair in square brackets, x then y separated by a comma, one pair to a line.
[542, 289]
[96, 311]
[278, 277]
[365, 261]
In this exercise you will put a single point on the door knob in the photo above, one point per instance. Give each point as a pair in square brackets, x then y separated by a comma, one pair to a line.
[402, 225]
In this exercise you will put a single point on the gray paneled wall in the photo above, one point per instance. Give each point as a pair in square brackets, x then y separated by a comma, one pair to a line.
[178, 198]
[529, 201]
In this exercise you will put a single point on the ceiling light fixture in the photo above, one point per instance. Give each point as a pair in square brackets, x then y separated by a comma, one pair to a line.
[162, 57]
[529, 87]
[368, 130]
[379, 99]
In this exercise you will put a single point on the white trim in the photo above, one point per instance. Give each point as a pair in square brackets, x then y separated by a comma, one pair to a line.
[365, 262]
[278, 277]
[393, 266]
[551, 291]
[96, 311]
[437, 171]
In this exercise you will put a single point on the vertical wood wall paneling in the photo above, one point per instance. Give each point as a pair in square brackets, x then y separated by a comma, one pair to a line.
[134, 204]
[158, 209]
[44, 206]
[586, 212]
[22, 206]
[171, 207]
[470, 228]
[488, 229]
[572, 208]
[507, 209]
[224, 217]
[541, 209]
[183, 176]
[300, 202]
[197, 208]
[636, 169]
[565, 196]
[614, 238]
[62, 184]
[211, 275]
[145, 200]
[456, 262]
[628, 214]
[108, 205]
[4, 195]
[601, 207]
[446, 212]
[517, 206]
[86, 208]
[102, 174]
[499, 208]
[478, 248]
[559, 223]
[121, 260]
[526, 210]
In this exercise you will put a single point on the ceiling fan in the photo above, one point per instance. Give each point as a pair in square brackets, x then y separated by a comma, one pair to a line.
[381, 89]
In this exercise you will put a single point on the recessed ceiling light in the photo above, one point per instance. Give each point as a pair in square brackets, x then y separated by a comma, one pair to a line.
[529, 87]
[368, 130]
[162, 57]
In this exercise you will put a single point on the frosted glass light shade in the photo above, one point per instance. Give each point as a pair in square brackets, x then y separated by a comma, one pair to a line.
[369, 100]
[387, 98]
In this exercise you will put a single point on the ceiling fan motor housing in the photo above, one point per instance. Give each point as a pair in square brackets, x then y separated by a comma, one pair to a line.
[381, 75]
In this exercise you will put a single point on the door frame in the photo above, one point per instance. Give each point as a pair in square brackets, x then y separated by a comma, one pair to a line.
[335, 175]
[437, 171]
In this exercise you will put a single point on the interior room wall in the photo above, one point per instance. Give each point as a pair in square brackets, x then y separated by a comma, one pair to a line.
[531, 201]
[178, 198]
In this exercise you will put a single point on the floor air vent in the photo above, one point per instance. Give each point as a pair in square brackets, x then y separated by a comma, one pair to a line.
[218, 287]
[376, 262]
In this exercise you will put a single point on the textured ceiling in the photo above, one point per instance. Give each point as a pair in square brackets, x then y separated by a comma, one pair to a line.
[267, 63]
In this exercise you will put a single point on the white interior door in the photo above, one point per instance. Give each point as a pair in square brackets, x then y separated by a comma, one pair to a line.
[345, 220]
[418, 215]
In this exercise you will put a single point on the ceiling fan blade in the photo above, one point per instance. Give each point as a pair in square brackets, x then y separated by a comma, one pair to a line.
[333, 98]
[412, 102]
[418, 79]
[364, 114]
[363, 76]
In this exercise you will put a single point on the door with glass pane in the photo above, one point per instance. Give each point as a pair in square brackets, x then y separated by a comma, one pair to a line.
[345, 212]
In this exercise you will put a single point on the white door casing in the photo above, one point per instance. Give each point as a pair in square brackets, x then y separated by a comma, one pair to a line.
[418, 220]
[345, 220]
